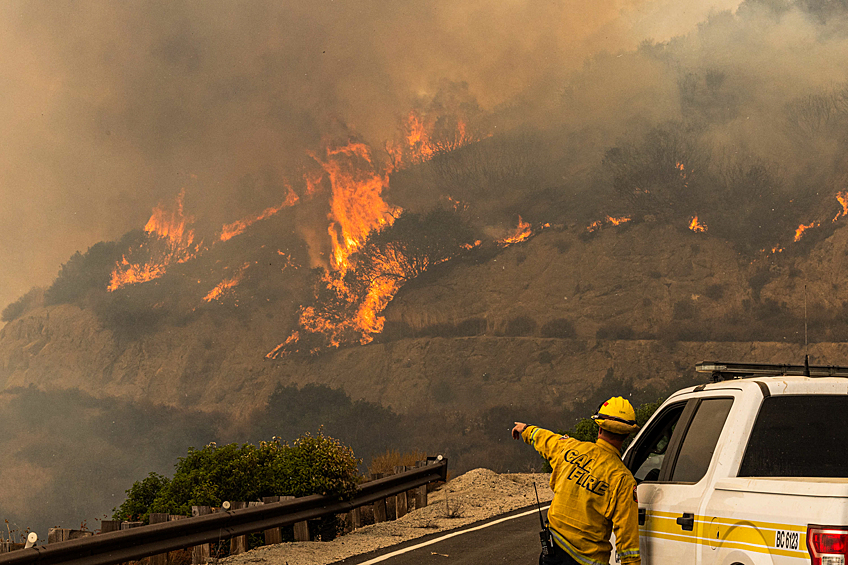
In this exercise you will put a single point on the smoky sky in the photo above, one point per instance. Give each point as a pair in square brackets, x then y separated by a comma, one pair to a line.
[108, 108]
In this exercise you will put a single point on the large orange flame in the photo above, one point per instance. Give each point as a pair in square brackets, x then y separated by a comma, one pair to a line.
[170, 241]
[356, 204]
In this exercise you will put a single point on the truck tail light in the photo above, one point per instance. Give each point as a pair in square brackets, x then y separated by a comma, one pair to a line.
[828, 545]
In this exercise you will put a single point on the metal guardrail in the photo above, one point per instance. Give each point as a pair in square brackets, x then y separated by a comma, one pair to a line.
[137, 543]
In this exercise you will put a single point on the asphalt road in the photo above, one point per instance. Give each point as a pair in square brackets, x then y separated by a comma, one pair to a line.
[514, 541]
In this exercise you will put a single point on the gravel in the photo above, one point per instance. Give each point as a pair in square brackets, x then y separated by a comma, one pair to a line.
[469, 498]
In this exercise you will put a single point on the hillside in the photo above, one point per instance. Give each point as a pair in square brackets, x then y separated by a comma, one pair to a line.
[640, 303]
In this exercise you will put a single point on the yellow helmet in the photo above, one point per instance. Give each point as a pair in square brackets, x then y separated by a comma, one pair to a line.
[616, 415]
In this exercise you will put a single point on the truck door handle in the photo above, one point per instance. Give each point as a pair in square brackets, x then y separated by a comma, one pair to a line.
[642, 513]
[687, 521]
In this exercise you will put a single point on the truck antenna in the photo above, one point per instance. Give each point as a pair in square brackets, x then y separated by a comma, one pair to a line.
[806, 343]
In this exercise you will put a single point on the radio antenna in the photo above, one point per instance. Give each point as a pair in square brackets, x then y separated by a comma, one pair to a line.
[806, 343]
[539, 506]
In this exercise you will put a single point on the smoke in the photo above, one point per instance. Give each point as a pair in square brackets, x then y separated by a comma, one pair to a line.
[110, 108]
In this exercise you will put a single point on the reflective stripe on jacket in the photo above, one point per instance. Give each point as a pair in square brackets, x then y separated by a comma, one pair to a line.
[594, 495]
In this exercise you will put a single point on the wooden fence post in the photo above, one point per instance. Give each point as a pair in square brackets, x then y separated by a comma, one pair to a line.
[421, 492]
[238, 544]
[274, 535]
[301, 531]
[200, 553]
[55, 535]
[355, 518]
[400, 503]
[174, 557]
[161, 558]
[107, 526]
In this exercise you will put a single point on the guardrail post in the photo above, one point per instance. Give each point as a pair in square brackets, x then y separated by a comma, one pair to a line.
[274, 535]
[174, 560]
[380, 510]
[421, 492]
[65, 534]
[107, 526]
[200, 553]
[238, 544]
[355, 518]
[301, 531]
[391, 508]
[161, 558]
[401, 507]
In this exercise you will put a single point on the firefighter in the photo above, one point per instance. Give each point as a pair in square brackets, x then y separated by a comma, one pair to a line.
[594, 493]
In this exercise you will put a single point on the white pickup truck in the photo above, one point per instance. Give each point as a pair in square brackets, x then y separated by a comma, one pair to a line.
[746, 471]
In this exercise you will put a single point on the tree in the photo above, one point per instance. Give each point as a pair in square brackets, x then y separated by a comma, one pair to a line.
[32, 299]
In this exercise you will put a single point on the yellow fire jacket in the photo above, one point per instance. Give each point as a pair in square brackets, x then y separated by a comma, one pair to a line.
[594, 494]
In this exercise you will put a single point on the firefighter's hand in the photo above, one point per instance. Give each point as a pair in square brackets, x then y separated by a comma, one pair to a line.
[516, 431]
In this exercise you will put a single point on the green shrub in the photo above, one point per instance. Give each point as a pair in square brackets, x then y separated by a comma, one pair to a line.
[211, 475]
[140, 498]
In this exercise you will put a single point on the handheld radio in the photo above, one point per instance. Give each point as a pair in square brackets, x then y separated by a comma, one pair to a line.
[545, 535]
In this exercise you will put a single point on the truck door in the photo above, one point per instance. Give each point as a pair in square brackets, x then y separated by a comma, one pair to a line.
[670, 461]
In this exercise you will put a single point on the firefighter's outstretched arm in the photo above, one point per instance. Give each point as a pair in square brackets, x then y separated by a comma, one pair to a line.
[516, 431]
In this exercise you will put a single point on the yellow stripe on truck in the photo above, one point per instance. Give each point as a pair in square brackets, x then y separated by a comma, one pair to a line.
[759, 537]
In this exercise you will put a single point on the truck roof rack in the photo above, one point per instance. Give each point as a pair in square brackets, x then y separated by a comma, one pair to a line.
[725, 371]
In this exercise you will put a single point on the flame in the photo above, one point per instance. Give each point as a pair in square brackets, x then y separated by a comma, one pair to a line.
[169, 239]
[356, 209]
[356, 204]
[277, 351]
[799, 233]
[420, 141]
[697, 226]
[597, 224]
[522, 232]
[842, 197]
[225, 285]
[231, 230]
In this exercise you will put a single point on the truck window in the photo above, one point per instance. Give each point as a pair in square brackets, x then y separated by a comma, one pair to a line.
[648, 455]
[798, 436]
[698, 445]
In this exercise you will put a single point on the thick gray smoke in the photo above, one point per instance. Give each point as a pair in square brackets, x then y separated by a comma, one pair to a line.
[109, 108]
